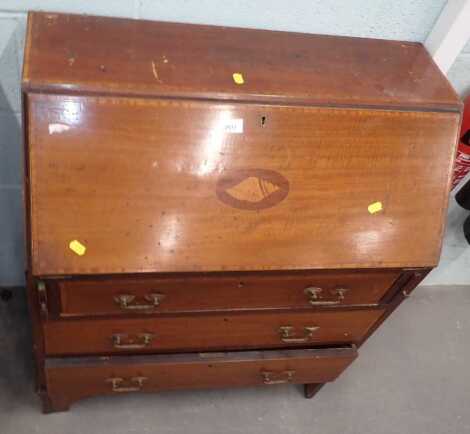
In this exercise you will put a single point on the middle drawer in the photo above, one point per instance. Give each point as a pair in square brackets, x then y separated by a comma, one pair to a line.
[211, 332]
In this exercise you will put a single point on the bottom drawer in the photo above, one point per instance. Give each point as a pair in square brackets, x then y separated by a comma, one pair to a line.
[71, 379]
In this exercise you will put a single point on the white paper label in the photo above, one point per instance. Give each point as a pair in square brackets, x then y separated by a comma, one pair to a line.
[58, 128]
[233, 126]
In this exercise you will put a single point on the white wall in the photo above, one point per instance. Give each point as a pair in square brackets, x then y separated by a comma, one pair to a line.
[398, 19]
[459, 73]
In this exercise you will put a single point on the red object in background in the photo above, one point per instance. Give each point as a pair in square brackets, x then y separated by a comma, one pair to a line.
[462, 162]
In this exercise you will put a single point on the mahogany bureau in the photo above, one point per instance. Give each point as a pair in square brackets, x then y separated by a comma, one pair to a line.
[218, 207]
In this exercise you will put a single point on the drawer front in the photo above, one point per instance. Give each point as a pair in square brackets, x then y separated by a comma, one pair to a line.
[124, 296]
[72, 379]
[208, 332]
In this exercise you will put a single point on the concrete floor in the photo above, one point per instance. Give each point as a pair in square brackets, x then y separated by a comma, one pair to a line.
[412, 376]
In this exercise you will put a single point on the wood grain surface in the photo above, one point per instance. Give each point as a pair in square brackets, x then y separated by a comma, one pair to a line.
[217, 292]
[119, 56]
[135, 182]
[208, 332]
[71, 379]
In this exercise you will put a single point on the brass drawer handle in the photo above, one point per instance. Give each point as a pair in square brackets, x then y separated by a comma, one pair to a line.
[315, 299]
[287, 331]
[277, 378]
[124, 342]
[42, 298]
[137, 383]
[124, 301]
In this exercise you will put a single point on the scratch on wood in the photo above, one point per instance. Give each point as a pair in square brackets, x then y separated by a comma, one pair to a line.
[155, 72]
[51, 19]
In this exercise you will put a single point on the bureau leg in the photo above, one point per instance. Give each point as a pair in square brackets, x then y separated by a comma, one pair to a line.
[54, 405]
[311, 389]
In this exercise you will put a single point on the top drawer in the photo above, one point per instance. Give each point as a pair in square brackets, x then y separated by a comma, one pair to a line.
[235, 291]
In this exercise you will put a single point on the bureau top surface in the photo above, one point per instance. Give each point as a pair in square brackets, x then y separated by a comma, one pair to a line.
[86, 54]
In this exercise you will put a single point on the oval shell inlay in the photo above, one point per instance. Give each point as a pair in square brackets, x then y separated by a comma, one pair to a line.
[252, 189]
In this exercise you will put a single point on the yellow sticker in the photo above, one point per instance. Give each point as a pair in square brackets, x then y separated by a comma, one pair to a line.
[77, 247]
[375, 207]
[238, 78]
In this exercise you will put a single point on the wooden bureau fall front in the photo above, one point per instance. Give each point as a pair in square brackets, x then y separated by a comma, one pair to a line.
[219, 207]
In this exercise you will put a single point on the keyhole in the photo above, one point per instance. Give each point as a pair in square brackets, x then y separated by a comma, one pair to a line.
[263, 121]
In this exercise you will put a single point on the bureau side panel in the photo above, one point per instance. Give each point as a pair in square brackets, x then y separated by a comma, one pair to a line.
[123, 185]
